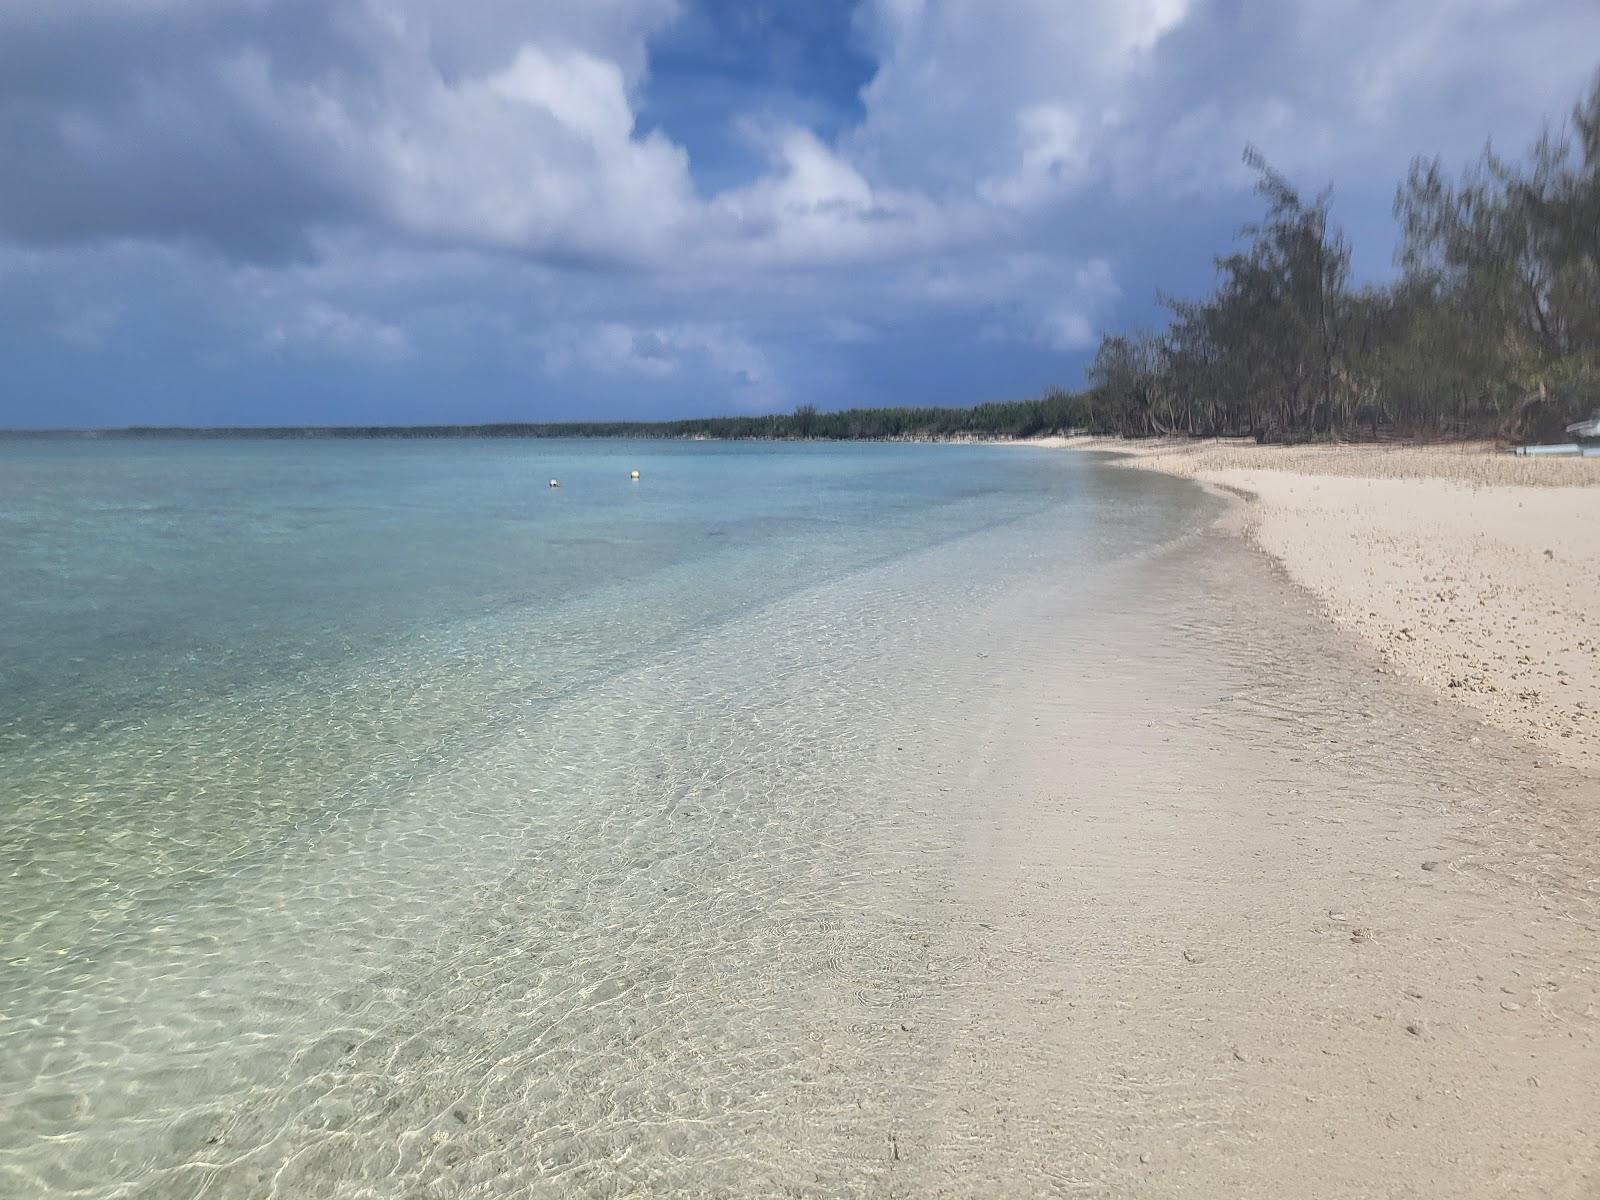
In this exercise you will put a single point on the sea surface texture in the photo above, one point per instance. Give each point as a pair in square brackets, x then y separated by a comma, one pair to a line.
[376, 820]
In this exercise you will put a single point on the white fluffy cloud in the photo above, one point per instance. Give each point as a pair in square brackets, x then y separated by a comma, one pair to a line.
[514, 126]
[972, 93]
[540, 156]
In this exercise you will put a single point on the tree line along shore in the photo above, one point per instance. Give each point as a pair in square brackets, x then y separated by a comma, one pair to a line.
[1491, 329]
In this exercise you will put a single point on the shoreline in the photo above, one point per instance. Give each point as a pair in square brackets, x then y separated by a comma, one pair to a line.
[1470, 572]
[964, 871]
[1239, 911]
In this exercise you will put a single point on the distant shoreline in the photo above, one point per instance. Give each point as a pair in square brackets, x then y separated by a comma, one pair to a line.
[322, 432]
[656, 431]
[486, 432]
[446, 432]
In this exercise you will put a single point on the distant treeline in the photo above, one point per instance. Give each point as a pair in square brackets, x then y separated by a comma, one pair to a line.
[1493, 326]
[1016, 418]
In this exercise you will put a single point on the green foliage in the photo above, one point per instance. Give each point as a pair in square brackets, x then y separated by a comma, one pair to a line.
[1494, 325]
[1055, 411]
[1508, 262]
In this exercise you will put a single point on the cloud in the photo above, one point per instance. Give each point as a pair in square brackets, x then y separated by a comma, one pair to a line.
[540, 157]
[252, 125]
[972, 94]
[1052, 156]
[849, 331]
[88, 325]
[485, 185]
[322, 326]
[257, 127]
[1069, 323]
[1350, 91]
[817, 207]
[613, 348]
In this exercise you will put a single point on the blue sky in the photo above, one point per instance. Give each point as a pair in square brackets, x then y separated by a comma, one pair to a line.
[332, 211]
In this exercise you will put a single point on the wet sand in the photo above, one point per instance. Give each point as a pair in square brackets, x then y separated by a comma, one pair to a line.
[1264, 919]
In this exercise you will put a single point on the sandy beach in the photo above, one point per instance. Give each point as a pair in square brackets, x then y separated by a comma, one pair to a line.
[1472, 571]
[1276, 917]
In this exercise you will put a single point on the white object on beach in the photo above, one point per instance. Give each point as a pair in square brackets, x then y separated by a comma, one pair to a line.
[1564, 448]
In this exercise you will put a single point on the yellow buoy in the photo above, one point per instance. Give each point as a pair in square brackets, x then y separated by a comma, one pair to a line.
[633, 474]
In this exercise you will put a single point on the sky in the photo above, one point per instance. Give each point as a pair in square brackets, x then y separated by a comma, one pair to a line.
[256, 212]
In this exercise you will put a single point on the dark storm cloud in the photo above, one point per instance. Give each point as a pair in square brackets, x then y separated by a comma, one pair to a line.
[137, 121]
[251, 125]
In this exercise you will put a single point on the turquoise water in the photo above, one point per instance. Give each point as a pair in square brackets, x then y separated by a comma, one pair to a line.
[374, 817]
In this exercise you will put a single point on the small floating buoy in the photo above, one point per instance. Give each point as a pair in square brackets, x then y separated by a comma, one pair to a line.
[633, 474]
[555, 483]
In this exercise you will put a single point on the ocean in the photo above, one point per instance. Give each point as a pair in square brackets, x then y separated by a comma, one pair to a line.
[378, 820]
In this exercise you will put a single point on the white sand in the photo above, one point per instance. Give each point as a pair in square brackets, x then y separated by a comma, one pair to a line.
[1474, 572]
[1240, 911]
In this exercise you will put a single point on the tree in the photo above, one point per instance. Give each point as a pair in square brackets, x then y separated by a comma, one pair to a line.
[1511, 257]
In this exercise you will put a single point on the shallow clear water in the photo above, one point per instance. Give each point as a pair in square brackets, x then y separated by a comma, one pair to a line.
[374, 817]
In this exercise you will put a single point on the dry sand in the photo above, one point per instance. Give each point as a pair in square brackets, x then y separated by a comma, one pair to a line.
[1475, 572]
